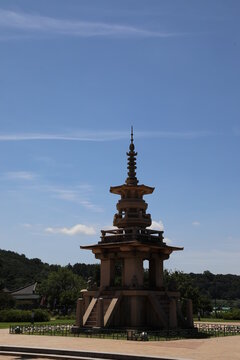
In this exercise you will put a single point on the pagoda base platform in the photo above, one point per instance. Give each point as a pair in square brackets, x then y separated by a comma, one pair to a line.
[132, 308]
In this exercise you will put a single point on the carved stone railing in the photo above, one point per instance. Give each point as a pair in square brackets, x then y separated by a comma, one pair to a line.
[131, 234]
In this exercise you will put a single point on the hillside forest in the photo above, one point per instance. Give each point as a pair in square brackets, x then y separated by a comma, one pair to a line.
[60, 285]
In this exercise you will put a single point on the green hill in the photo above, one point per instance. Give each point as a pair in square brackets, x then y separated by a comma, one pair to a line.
[17, 270]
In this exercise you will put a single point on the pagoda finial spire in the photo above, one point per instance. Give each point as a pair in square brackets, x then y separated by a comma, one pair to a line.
[132, 178]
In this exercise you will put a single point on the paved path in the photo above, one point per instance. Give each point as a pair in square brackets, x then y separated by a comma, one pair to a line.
[222, 348]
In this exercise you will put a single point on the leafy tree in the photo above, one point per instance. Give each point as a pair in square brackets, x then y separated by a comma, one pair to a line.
[208, 275]
[61, 288]
[86, 271]
[6, 301]
[182, 282]
[17, 271]
[205, 304]
[234, 314]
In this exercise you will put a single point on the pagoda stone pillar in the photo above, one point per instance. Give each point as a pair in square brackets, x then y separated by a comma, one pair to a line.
[159, 272]
[79, 312]
[133, 272]
[156, 272]
[152, 273]
[107, 272]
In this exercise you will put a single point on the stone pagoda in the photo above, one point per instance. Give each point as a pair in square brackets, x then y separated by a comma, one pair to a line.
[125, 298]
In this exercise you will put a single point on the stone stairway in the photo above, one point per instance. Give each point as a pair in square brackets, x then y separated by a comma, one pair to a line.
[107, 297]
[161, 308]
[92, 319]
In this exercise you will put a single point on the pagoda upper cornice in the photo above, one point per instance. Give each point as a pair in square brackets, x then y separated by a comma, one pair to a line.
[122, 189]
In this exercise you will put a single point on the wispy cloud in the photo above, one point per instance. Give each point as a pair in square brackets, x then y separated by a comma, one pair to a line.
[108, 227]
[104, 136]
[177, 134]
[28, 181]
[74, 230]
[167, 241]
[77, 195]
[21, 21]
[157, 225]
[83, 136]
[26, 225]
[19, 175]
[196, 223]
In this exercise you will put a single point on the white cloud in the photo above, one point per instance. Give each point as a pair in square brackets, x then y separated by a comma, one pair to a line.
[157, 225]
[103, 136]
[196, 223]
[167, 240]
[78, 136]
[20, 175]
[47, 25]
[176, 134]
[65, 194]
[109, 227]
[74, 230]
[77, 195]
[26, 225]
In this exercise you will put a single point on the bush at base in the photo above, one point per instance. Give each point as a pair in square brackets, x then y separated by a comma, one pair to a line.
[234, 314]
[14, 315]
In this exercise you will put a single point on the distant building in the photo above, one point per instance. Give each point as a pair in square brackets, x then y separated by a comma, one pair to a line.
[26, 296]
[221, 309]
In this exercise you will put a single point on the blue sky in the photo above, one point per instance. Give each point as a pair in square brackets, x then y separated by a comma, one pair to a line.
[74, 76]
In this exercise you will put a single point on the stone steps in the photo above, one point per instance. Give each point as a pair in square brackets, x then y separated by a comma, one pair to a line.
[92, 319]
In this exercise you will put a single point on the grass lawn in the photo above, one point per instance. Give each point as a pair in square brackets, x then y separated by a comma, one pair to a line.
[5, 325]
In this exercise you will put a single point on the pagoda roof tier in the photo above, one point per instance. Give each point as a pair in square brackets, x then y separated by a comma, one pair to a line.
[123, 189]
[129, 246]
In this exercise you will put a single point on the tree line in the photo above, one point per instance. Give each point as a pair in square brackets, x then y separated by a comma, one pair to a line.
[60, 286]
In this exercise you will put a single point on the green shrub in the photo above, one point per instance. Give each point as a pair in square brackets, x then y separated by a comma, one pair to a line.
[41, 315]
[234, 314]
[14, 315]
[6, 301]
[66, 317]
